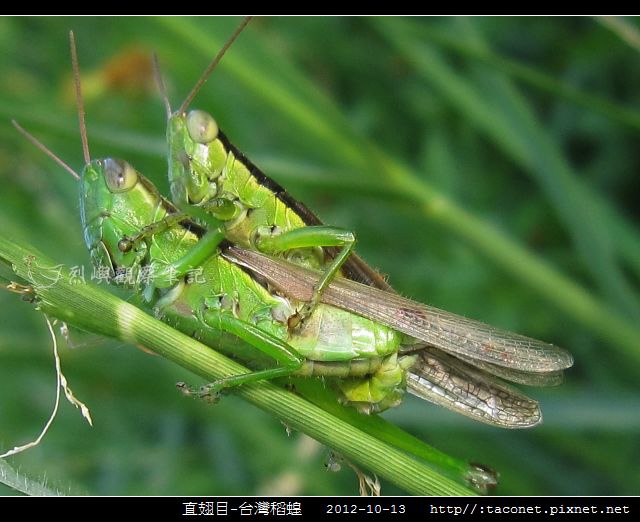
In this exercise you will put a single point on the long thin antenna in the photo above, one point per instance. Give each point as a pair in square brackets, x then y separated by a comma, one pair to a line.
[79, 102]
[207, 72]
[44, 149]
[157, 75]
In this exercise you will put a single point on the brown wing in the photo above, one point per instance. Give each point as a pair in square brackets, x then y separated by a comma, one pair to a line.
[457, 386]
[466, 338]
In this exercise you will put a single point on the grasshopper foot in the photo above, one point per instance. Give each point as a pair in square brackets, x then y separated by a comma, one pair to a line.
[209, 392]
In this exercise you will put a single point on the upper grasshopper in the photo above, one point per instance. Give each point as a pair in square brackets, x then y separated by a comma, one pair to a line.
[207, 170]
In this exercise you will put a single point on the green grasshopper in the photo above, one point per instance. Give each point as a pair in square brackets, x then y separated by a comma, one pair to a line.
[367, 342]
[367, 355]
[367, 361]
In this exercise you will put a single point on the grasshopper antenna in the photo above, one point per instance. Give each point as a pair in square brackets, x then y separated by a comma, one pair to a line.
[44, 149]
[79, 101]
[207, 72]
[157, 76]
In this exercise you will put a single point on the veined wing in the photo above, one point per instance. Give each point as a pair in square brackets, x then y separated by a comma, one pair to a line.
[553, 378]
[449, 332]
[447, 381]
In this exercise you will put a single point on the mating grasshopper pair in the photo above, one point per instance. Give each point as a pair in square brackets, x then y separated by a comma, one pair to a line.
[310, 307]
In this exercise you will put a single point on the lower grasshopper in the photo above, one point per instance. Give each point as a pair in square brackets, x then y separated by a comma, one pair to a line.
[248, 209]
[367, 361]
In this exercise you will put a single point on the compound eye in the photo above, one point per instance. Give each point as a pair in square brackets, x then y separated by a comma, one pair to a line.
[201, 127]
[119, 175]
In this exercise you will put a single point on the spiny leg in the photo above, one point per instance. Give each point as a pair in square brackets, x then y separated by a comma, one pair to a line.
[213, 213]
[289, 360]
[196, 256]
[129, 243]
[312, 236]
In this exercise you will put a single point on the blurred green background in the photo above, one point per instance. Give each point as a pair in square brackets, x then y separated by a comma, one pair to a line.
[488, 165]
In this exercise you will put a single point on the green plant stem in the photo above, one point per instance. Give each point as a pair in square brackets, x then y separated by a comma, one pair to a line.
[93, 309]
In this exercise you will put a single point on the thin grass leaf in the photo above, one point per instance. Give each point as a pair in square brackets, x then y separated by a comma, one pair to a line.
[625, 30]
[531, 76]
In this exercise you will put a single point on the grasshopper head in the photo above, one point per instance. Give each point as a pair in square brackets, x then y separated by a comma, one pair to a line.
[196, 156]
[115, 202]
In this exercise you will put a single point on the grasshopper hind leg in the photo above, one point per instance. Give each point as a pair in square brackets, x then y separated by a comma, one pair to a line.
[309, 237]
[289, 361]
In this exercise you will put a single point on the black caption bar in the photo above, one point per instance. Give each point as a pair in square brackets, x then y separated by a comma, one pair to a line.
[190, 509]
